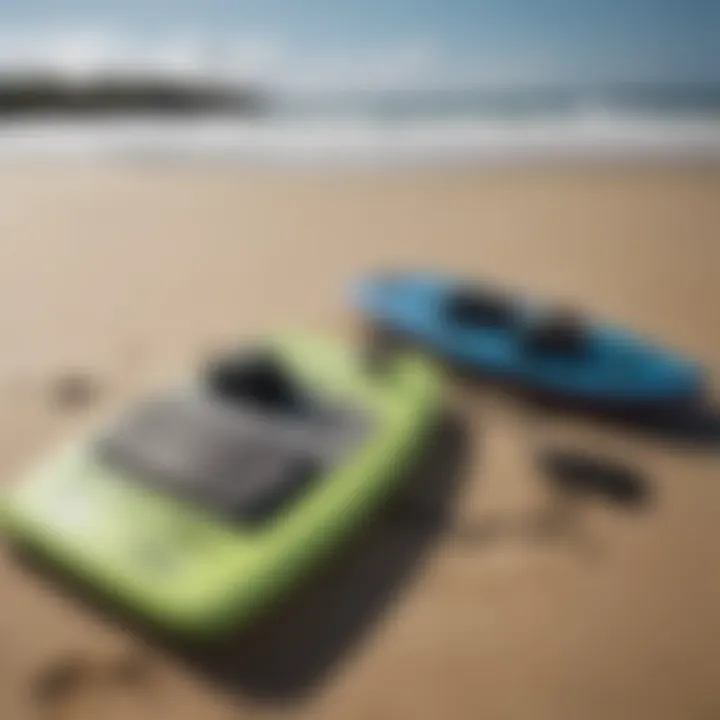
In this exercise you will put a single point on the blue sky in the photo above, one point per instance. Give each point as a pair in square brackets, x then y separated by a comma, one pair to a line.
[391, 41]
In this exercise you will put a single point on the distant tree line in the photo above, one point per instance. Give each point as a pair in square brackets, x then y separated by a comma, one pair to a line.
[41, 95]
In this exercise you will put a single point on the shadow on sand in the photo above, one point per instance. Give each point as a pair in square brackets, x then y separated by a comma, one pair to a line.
[577, 481]
[296, 645]
[694, 425]
[697, 426]
[577, 472]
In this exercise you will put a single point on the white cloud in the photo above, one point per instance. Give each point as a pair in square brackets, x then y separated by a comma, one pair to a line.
[422, 65]
[405, 64]
[255, 56]
[412, 63]
[82, 52]
[48, 50]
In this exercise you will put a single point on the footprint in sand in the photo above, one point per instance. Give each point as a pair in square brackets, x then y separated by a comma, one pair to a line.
[74, 390]
[81, 688]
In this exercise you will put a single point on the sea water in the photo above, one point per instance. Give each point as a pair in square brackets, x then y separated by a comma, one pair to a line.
[480, 125]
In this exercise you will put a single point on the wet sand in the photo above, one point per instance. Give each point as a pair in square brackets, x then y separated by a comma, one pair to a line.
[522, 602]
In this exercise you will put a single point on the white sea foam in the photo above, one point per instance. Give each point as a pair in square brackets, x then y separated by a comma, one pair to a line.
[278, 141]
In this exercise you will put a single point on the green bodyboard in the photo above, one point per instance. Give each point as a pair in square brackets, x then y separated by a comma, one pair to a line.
[191, 571]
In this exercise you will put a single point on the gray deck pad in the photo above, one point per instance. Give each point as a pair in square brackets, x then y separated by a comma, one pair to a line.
[235, 461]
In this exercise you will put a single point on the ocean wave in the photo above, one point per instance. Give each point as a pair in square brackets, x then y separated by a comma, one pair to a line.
[275, 140]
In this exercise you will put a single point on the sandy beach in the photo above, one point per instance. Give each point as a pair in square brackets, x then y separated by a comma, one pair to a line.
[134, 273]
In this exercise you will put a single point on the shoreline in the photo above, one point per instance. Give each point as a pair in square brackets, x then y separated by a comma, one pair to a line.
[582, 139]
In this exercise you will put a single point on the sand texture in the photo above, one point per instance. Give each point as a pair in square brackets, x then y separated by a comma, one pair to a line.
[490, 593]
